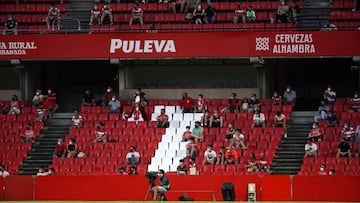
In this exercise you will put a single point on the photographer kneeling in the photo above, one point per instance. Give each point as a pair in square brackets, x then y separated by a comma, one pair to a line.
[164, 185]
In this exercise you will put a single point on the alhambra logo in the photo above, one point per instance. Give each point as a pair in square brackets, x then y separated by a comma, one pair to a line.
[262, 44]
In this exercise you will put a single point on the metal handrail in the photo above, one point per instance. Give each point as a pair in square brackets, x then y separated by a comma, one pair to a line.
[66, 18]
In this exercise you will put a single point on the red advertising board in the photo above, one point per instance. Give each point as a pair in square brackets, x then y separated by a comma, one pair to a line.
[181, 45]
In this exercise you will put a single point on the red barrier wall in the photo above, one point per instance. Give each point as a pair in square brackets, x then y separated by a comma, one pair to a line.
[276, 188]
[326, 188]
[269, 188]
[1, 189]
[19, 188]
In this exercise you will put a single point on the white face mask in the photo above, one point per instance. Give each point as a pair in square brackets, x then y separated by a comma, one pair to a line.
[108, 90]
[288, 90]
[314, 126]
[49, 91]
[113, 99]
[136, 108]
[231, 97]
[322, 169]
[37, 93]
[59, 143]
[199, 99]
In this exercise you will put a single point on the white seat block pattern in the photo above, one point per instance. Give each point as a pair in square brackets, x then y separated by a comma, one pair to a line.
[157, 108]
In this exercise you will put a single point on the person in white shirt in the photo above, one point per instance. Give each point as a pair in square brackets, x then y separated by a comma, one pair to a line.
[193, 169]
[238, 139]
[310, 149]
[133, 156]
[209, 155]
[76, 120]
[258, 119]
[3, 172]
[329, 95]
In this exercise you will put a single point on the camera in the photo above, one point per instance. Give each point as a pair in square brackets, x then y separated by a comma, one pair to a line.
[151, 175]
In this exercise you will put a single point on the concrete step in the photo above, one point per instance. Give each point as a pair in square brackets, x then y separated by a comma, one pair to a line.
[285, 160]
[283, 172]
[303, 113]
[63, 115]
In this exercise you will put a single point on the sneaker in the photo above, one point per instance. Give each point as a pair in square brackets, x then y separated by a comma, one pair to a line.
[353, 10]
[143, 1]
[285, 135]
[160, 1]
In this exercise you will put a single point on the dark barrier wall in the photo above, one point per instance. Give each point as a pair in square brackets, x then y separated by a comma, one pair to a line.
[268, 188]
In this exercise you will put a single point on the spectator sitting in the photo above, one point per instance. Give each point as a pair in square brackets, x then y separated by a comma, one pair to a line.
[14, 107]
[162, 119]
[3, 172]
[231, 156]
[240, 14]
[133, 170]
[60, 149]
[205, 119]
[329, 96]
[40, 115]
[216, 121]
[238, 139]
[279, 120]
[348, 132]
[210, 14]
[200, 104]
[140, 97]
[152, 28]
[293, 11]
[322, 170]
[187, 134]
[114, 104]
[315, 133]
[332, 120]
[355, 103]
[132, 157]
[38, 98]
[230, 131]
[254, 103]
[344, 149]
[198, 14]
[106, 12]
[209, 156]
[29, 134]
[88, 99]
[220, 159]
[71, 149]
[276, 98]
[263, 163]
[193, 167]
[252, 164]
[198, 132]
[289, 96]
[357, 153]
[181, 169]
[191, 149]
[51, 106]
[178, 5]
[282, 13]
[258, 119]
[95, 15]
[187, 104]
[107, 96]
[76, 120]
[190, 6]
[329, 27]
[310, 149]
[244, 107]
[332, 172]
[100, 135]
[250, 14]
[136, 15]
[137, 113]
[53, 17]
[163, 186]
[11, 26]
[122, 171]
[323, 112]
[232, 104]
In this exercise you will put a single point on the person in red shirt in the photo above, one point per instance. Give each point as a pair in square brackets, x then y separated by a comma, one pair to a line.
[187, 134]
[231, 156]
[315, 133]
[187, 104]
[240, 14]
[28, 134]
[233, 105]
[60, 149]
[200, 104]
[162, 119]
[51, 96]
[95, 15]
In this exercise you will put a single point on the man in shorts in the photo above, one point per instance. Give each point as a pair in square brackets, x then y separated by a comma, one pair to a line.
[164, 185]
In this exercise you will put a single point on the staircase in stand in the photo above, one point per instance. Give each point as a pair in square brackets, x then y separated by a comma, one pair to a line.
[290, 154]
[313, 14]
[41, 154]
[77, 12]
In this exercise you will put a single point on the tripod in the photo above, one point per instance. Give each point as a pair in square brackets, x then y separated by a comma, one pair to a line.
[161, 195]
[147, 192]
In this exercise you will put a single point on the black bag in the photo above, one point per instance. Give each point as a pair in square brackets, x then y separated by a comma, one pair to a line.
[183, 198]
[228, 191]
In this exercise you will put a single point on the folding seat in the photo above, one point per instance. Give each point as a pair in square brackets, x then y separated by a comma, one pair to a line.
[342, 161]
[262, 145]
[348, 4]
[91, 117]
[96, 109]
[208, 168]
[11, 117]
[120, 124]
[142, 124]
[212, 108]
[223, 6]
[103, 117]
[131, 125]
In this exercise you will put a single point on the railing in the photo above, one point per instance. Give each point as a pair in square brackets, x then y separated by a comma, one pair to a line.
[67, 20]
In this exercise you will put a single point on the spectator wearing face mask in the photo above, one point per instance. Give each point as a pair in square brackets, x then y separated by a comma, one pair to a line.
[322, 170]
[200, 104]
[95, 15]
[231, 156]
[38, 98]
[88, 99]
[238, 139]
[77, 120]
[181, 169]
[71, 148]
[100, 134]
[323, 111]
[3, 172]
[187, 103]
[355, 103]
[254, 104]
[329, 95]
[332, 120]
[216, 120]
[198, 132]
[209, 156]
[60, 149]
[205, 119]
[258, 119]
[199, 14]
[137, 113]
[344, 149]
[114, 105]
[276, 98]
[28, 134]
[233, 104]
[348, 132]
[140, 97]
[132, 157]
[107, 96]
[315, 133]
[289, 96]
[310, 149]
[282, 14]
